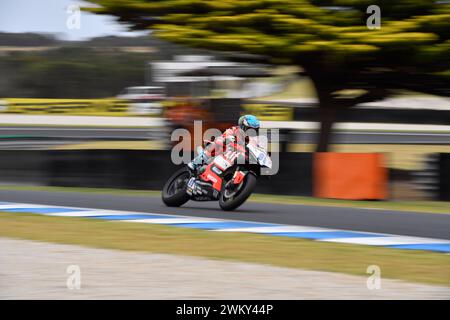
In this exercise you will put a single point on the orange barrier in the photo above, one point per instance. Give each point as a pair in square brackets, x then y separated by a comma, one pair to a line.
[353, 176]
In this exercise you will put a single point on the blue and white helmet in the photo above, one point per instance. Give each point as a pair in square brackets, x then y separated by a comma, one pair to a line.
[248, 121]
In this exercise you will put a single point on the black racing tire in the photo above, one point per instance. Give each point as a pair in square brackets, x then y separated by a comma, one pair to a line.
[245, 192]
[180, 197]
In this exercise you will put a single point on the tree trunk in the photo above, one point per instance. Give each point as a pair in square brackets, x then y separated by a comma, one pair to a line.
[327, 109]
[327, 116]
[326, 83]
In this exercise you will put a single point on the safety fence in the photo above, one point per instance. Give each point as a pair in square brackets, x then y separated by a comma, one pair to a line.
[267, 111]
[121, 107]
[133, 169]
[327, 175]
[270, 112]
[112, 106]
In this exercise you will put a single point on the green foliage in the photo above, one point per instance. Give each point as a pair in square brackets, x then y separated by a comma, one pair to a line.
[72, 72]
[300, 31]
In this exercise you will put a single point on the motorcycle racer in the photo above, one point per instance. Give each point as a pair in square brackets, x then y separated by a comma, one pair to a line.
[227, 170]
[234, 135]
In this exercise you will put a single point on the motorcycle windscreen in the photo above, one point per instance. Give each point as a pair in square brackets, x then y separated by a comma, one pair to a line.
[260, 155]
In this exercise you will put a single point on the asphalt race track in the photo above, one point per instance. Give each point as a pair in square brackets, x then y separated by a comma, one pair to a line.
[349, 137]
[369, 220]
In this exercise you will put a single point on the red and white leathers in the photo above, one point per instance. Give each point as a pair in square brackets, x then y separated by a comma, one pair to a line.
[233, 138]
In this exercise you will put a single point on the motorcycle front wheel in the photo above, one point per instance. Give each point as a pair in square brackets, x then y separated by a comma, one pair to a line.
[174, 190]
[232, 196]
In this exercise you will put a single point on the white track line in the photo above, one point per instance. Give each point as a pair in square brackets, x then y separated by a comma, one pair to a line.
[89, 213]
[22, 206]
[276, 229]
[172, 220]
[387, 240]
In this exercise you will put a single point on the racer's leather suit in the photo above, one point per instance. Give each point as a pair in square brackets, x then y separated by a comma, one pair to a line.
[232, 137]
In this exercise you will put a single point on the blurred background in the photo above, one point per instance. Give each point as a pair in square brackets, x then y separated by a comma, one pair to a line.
[89, 98]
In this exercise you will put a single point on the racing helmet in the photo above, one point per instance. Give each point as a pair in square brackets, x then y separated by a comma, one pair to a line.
[248, 122]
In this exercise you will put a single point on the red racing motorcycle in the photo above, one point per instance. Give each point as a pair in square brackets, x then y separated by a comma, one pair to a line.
[229, 178]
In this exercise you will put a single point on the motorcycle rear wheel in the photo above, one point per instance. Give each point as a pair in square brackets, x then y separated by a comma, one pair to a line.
[174, 190]
[240, 196]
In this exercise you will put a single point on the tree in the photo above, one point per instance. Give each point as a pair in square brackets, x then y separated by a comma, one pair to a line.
[348, 62]
[71, 71]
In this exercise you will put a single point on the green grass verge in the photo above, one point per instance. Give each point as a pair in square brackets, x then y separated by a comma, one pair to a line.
[128, 192]
[415, 266]
[396, 156]
[412, 206]
[301, 88]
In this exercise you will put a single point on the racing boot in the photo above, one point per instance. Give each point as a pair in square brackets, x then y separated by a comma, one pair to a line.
[197, 162]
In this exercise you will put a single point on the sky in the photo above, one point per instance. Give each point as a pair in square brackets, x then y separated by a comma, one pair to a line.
[55, 16]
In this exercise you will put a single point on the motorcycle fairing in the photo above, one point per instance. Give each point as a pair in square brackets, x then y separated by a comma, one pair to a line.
[209, 175]
[200, 190]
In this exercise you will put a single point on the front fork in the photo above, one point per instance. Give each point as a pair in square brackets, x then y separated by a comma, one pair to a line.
[238, 176]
